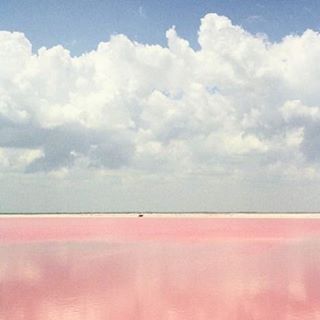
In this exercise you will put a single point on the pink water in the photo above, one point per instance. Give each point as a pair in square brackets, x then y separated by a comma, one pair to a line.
[159, 268]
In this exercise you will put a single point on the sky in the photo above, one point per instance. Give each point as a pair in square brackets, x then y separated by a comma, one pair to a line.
[80, 25]
[159, 105]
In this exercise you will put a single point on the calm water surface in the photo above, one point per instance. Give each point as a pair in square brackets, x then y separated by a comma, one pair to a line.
[159, 268]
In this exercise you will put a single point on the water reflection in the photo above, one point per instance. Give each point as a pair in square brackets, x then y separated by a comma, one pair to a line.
[237, 279]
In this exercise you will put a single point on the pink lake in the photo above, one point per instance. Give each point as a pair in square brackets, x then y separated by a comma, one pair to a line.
[152, 268]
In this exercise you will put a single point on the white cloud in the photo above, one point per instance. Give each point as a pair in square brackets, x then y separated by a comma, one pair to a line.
[295, 109]
[238, 104]
[13, 159]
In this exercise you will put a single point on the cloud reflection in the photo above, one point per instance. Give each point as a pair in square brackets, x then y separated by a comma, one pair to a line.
[160, 280]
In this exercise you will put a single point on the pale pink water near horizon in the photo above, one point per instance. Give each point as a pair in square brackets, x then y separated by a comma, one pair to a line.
[98, 268]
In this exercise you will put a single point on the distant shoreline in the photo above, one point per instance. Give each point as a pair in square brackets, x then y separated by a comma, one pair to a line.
[166, 215]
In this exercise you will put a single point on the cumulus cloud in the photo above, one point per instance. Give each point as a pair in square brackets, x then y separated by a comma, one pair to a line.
[240, 103]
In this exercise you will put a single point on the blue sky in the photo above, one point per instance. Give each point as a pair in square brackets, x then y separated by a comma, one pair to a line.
[80, 25]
